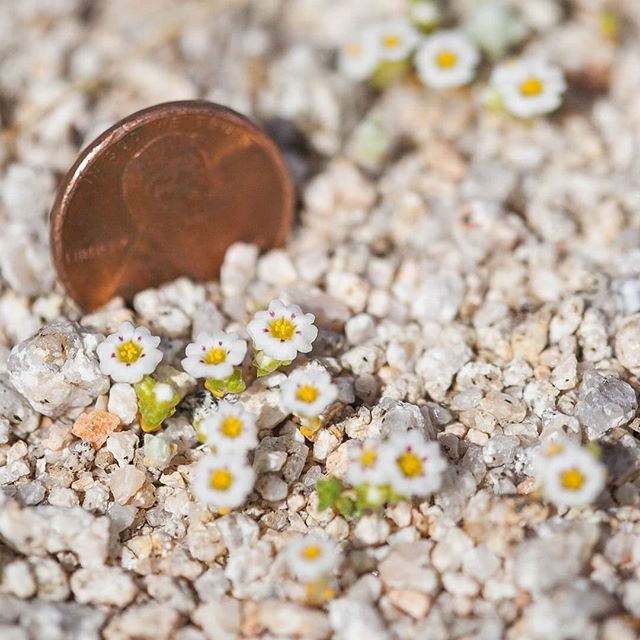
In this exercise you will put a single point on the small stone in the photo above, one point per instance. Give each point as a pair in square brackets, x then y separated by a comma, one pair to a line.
[271, 487]
[95, 427]
[275, 267]
[16, 410]
[123, 402]
[604, 402]
[459, 585]
[57, 370]
[151, 621]
[238, 530]
[565, 374]
[283, 618]
[219, 619]
[500, 450]
[415, 603]
[125, 481]
[627, 344]
[17, 579]
[238, 268]
[353, 619]
[53, 584]
[372, 529]
[359, 329]
[122, 445]
[103, 585]
[480, 563]
[158, 450]
[408, 567]
[14, 471]
[438, 297]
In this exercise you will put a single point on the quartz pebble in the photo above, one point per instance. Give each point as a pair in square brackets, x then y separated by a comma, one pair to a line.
[604, 402]
[95, 427]
[57, 370]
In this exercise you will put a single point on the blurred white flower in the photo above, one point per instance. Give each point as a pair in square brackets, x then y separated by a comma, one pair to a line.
[359, 57]
[570, 476]
[282, 331]
[231, 428]
[223, 481]
[529, 87]
[311, 557]
[447, 59]
[364, 464]
[411, 465]
[129, 354]
[308, 392]
[214, 356]
[396, 38]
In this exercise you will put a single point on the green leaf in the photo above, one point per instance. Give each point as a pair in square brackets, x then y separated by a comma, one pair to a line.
[328, 492]
[345, 506]
[233, 384]
[153, 409]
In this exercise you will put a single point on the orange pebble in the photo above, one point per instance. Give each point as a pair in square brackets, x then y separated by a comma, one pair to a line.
[95, 427]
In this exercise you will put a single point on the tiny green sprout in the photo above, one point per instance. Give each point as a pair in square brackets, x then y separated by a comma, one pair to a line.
[156, 402]
[265, 365]
[328, 492]
[594, 449]
[609, 25]
[389, 72]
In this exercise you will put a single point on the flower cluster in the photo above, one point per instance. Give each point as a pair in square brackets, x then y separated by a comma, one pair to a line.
[569, 475]
[403, 465]
[223, 478]
[313, 559]
[448, 59]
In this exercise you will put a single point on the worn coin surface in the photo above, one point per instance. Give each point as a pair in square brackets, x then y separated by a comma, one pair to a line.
[162, 194]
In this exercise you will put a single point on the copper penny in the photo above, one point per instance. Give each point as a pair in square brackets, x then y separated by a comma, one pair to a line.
[162, 194]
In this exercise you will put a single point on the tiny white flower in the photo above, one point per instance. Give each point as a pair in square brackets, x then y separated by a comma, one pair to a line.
[359, 57]
[412, 465]
[529, 87]
[231, 428]
[446, 60]
[308, 392]
[222, 481]
[571, 478]
[214, 355]
[282, 331]
[396, 38]
[364, 463]
[129, 354]
[311, 557]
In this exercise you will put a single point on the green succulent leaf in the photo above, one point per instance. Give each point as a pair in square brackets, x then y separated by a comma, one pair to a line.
[154, 407]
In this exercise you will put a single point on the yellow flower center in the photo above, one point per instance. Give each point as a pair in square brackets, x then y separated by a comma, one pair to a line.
[221, 480]
[447, 59]
[282, 329]
[354, 49]
[215, 356]
[572, 479]
[410, 465]
[129, 352]
[311, 552]
[531, 87]
[232, 427]
[554, 449]
[368, 457]
[307, 394]
[391, 41]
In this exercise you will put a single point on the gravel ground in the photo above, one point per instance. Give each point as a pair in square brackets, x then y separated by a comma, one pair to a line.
[472, 275]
